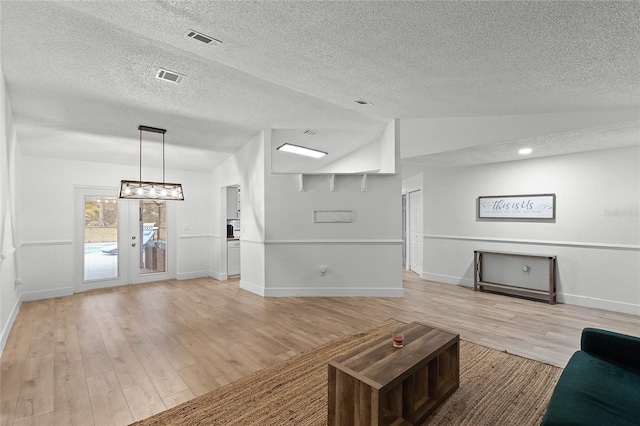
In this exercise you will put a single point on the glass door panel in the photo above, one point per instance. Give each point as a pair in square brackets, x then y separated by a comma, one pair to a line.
[100, 238]
[153, 236]
[119, 242]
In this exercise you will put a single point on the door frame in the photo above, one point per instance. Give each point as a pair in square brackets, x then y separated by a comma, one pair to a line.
[224, 258]
[125, 268]
[405, 229]
[410, 256]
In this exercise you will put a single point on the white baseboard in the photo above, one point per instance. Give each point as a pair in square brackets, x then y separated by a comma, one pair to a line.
[592, 302]
[46, 294]
[220, 276]
[7, 327]
[253, 288]
[333, 292]
[191, 275]
[569, 299]
[419, 272]
[447, 279]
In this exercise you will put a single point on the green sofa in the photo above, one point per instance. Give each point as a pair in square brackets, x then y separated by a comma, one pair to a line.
[601, 383]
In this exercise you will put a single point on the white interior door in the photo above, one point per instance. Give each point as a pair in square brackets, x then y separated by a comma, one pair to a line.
[120, 242]
[415, 231]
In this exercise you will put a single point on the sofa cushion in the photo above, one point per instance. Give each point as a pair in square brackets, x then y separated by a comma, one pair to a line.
[592, 391]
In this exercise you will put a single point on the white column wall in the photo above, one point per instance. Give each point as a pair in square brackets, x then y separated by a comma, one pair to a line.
[9, 273]
[245, 168]
[361, 258]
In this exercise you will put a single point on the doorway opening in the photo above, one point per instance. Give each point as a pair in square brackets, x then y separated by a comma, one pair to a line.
[234, 229]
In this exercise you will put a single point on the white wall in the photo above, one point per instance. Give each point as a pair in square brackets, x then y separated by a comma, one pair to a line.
[9, 166]
[193, 225]
[245, 168]
[362, 258]
[414, 183]
[376, 157]
[596, 235]
[46, 188]
[282, 250]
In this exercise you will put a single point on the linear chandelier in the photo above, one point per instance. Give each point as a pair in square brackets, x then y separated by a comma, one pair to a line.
[146, 190]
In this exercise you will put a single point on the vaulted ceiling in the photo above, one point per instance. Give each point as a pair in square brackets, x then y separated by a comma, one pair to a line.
[81, 75]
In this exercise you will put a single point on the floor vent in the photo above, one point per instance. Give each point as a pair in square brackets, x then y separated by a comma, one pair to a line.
[203, 38]
[167, 75]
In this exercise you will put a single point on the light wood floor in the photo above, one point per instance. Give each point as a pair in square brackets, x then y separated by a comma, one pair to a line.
[109, 357]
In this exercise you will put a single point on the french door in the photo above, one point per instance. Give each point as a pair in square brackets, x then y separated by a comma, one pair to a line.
[121, 241]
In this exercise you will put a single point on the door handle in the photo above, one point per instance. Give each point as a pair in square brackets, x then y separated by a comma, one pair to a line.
[133, 244]
[133, 238]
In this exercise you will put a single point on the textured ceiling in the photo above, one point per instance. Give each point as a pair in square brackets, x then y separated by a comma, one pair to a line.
[561, 143]
[80, 75]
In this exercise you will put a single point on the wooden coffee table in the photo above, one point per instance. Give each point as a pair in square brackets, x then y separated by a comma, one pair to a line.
[377, 384]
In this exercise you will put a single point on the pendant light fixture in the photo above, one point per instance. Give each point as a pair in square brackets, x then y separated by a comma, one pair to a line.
[146, 190]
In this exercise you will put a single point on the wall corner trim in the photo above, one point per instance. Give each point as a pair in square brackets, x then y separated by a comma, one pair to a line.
[220, 276]
[9, 325]
[253, 288]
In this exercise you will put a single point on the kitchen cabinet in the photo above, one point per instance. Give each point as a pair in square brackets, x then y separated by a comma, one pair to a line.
[233, 257]
[233, 203]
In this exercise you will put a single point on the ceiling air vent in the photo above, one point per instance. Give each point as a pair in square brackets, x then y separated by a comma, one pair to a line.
[167, 75]
[310, 132]
[362, 102]
[203, 38]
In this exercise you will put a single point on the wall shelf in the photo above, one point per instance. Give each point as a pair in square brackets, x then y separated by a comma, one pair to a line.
[332, 180]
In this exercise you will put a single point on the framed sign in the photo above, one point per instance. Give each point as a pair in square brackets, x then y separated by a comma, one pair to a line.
[537, 206]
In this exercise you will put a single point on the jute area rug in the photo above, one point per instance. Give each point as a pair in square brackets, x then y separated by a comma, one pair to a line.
[496, 388]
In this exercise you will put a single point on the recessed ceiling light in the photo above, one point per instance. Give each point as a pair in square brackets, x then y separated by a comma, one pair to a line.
[166, 75]
[203, 38]
[295, 149]
[525, 151]
[362, 102]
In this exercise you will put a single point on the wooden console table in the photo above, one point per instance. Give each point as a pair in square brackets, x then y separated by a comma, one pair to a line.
[480, 284]
[377, 384]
